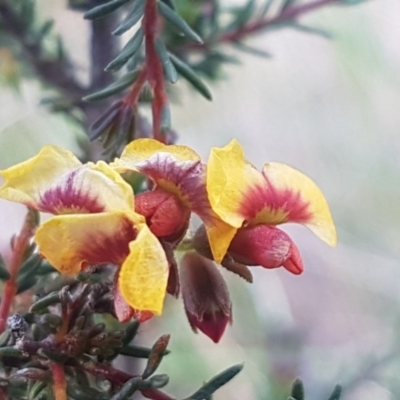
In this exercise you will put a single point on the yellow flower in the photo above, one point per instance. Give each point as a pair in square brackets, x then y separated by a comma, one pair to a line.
[94, 223]
[252, 203]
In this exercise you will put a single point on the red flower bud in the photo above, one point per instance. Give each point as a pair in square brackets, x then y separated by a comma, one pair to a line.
[165, 215]
[266, 246]
[205, 296]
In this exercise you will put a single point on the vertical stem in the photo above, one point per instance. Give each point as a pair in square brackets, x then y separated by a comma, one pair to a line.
[20, 244]
[154, 67]
[59, 381]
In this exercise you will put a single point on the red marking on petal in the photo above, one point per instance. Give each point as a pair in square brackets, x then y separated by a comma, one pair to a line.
[69, 197]
[102, 248]
[283, 205]
[185, 179]
[123, 310]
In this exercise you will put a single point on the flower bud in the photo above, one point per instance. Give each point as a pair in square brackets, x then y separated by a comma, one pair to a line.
[165, 215]
[205, 296]
[266, 246]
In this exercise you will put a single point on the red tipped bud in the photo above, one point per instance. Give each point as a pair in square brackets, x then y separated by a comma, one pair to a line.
[205, 296]
[165, 215]
[266, 246]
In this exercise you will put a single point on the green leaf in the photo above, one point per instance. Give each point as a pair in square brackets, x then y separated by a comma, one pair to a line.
[127, 52]
[48, 300]
[156, 355]
[215, 383]
[45, 268]
[105, 120]
[104, 9]
[191, 76]
[297, 389]
[114, 88]
[286, 4]
[138, 351]
[169, 3]
[337, 391]
[4, 274]
[165, 118]
[128, 389]
[158, 381]
[169, 69]
[309, 29]
[130, 332]
[26, 283]
[44, 30]
[5, 337]
[29, 266]
[12, 352]
[132, 18]
[251, 50]
[36, 389]
[242, 15]
[171, 16]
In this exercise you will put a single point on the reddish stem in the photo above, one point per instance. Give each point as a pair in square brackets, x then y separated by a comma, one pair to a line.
[19, 246]
[154, 67]
[254, 27]
[117, 377]
[59, 381]
[133, 97]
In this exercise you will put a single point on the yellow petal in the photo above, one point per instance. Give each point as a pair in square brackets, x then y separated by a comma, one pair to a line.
[229, 180]
[220, 236]
[108, 187]
[176, 169]
[297, 197]
[56, 182]
[144, 274]
[142, 149]
[24, 181]
[73, 242]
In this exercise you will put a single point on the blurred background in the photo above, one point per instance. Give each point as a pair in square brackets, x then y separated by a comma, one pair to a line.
[328, 107]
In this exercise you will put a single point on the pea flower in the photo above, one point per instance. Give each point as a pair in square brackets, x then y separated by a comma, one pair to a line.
[253, 203]
[94, 223]
[179, 177]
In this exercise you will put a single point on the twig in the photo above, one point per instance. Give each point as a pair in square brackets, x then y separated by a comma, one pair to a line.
[256, 26]
[59, 381]
[56, 72]
[19, 246]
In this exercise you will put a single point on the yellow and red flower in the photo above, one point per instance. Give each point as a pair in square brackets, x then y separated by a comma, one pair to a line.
[179, 176]
[253, 203]
[94, 223]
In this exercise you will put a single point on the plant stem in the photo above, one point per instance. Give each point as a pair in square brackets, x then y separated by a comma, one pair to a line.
[19, 246]
[59, 381]
[154, 66]
[256, 26]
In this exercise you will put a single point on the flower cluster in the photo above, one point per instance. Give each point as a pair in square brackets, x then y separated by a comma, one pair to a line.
[97, 219]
